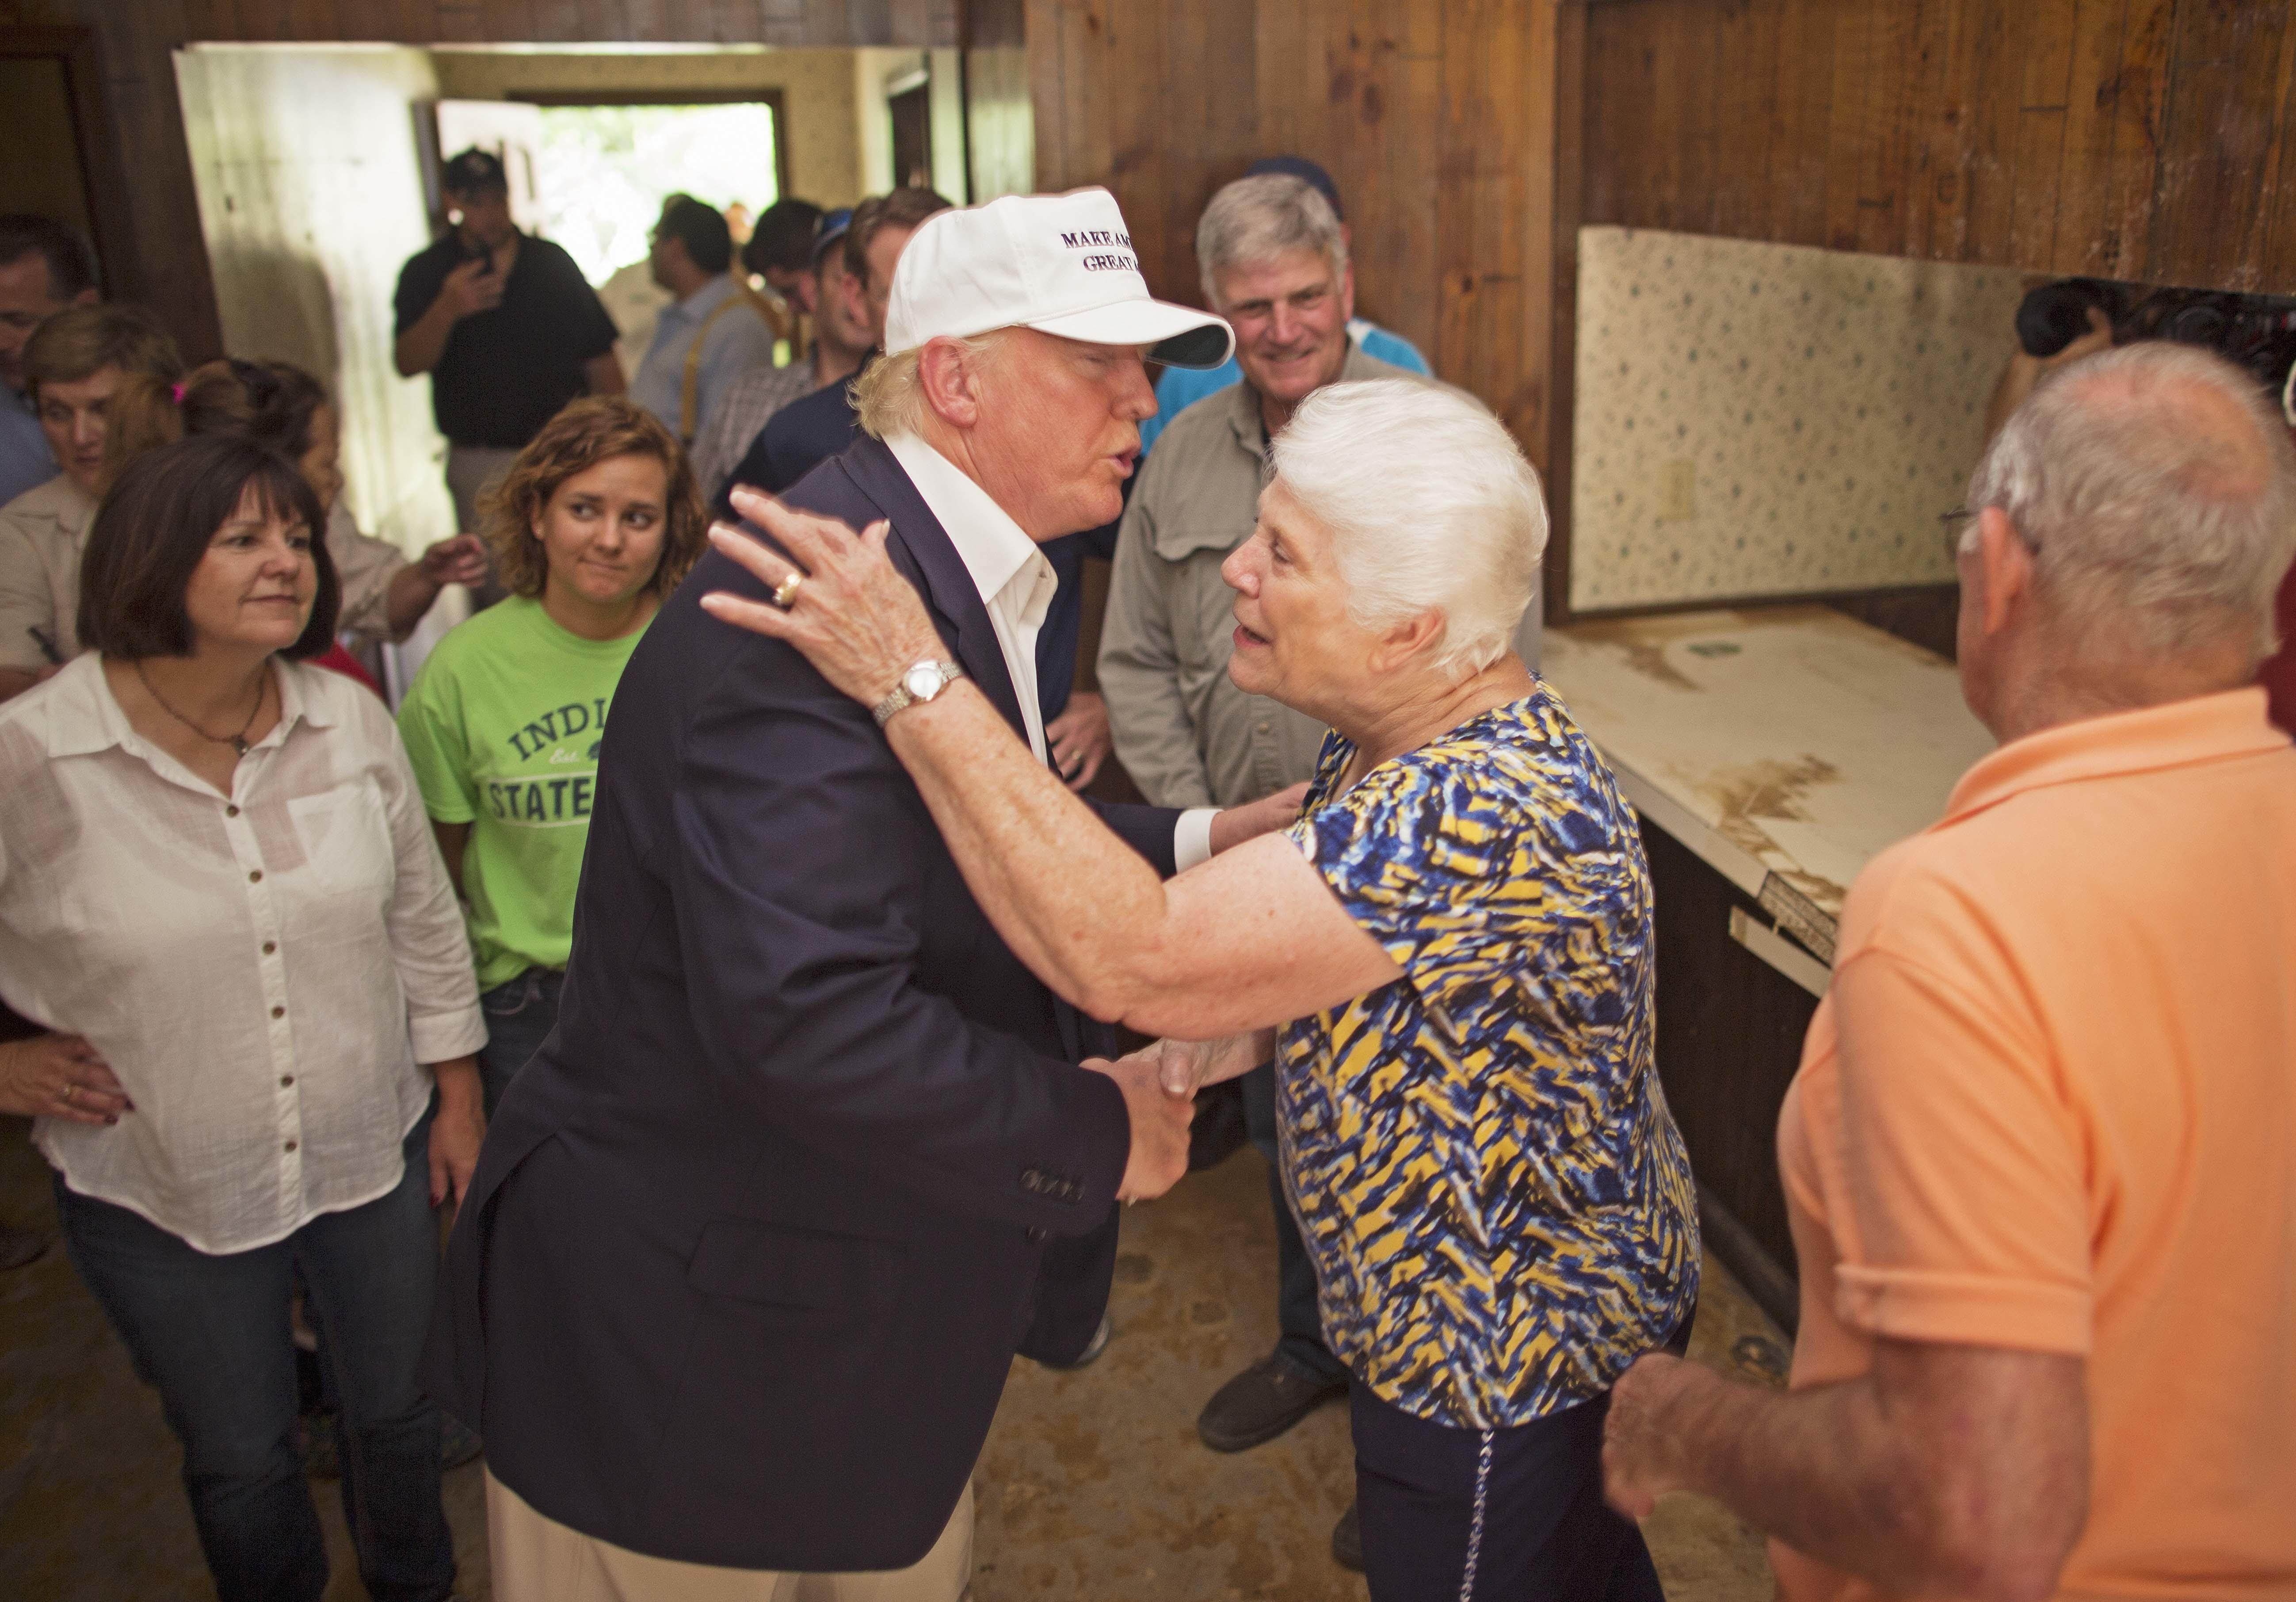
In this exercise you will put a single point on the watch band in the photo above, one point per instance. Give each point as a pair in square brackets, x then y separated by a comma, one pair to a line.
[902, 696]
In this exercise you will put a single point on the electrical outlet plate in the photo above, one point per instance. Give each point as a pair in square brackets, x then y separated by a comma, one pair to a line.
[1677, 491]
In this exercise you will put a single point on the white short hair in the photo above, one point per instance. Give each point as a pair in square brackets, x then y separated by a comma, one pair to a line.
[2154, 526]
[1258, 217]
[1431, 506]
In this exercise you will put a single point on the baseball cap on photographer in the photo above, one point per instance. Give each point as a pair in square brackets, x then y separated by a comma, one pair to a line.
[474, 172]
[1061, 264]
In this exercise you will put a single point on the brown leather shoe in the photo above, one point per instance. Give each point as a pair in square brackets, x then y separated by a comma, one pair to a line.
[1261, 1403]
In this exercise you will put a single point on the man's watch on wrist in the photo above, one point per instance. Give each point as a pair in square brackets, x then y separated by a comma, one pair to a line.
[921, 682]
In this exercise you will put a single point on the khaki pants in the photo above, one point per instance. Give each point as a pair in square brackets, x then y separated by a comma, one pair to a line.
[537, 1559]
[472, 469]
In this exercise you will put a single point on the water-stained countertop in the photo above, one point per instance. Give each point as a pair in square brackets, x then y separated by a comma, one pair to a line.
[1785, 746]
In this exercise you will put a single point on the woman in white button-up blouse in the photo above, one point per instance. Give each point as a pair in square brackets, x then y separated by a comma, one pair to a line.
[218, 889]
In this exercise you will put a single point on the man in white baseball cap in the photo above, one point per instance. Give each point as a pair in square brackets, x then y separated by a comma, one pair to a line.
[812, 1155]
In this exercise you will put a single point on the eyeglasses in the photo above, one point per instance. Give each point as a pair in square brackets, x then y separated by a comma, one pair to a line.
[1955, 521]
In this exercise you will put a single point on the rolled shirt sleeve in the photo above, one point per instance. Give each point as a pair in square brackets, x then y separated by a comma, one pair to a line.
[428, 942]
[364, 566]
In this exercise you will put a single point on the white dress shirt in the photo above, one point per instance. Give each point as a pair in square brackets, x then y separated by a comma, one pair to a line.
[262, 971]
[1016, 584]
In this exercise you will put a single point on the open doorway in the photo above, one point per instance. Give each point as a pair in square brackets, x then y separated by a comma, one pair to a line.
[601, 164]
[605, 169]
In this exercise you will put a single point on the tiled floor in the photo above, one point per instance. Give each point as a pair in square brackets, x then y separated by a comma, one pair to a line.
[1092, 1485]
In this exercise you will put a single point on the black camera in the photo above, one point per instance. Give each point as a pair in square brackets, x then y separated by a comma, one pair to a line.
[2254, 332]
[2052, 317]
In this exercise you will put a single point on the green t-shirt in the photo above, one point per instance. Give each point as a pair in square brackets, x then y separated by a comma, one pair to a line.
[503, 725]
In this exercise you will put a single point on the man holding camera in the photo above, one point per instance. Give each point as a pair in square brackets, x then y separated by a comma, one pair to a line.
[506, 325]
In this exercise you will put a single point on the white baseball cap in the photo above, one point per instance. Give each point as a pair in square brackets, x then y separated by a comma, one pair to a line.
[1061, 264]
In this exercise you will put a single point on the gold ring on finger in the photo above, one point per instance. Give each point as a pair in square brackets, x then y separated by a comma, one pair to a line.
[785, 592]
[70, 1091]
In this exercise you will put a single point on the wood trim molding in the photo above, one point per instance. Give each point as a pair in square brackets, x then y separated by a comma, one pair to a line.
[1562, 335]
[81, 52]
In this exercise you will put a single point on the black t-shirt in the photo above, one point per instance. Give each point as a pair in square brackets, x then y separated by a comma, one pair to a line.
[506, 372]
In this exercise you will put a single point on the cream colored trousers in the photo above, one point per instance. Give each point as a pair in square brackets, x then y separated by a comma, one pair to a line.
[537, 1559]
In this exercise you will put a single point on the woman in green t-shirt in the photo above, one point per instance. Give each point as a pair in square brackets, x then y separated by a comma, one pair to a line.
[596, 522]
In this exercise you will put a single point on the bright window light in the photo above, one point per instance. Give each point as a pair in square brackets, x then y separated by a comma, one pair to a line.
[606, 169]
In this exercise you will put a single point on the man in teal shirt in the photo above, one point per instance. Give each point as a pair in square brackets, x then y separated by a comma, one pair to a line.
[1181, 388]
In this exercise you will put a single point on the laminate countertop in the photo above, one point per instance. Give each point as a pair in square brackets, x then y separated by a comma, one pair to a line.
[1785, 746]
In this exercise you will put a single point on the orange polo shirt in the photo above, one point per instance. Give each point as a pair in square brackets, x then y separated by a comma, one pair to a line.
[2049, 1104]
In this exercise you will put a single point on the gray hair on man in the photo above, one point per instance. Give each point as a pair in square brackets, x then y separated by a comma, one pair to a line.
[1431, 506]
[1254, 219]
[2157, 491]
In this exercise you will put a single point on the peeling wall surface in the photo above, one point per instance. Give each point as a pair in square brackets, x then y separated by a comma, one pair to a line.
[311, 200]
[1764, 420]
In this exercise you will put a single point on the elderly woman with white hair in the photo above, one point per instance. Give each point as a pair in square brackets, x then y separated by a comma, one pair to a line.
[1449, 957]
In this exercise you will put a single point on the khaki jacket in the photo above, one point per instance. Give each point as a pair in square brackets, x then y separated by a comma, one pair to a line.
[42, 534]
[1183, 730]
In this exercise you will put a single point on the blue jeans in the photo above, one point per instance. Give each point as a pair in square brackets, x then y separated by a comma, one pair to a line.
[1300, 1344]
[210, 1332]
[520, 1014]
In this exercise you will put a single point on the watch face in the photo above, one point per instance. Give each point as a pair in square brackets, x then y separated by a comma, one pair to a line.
[923, 681]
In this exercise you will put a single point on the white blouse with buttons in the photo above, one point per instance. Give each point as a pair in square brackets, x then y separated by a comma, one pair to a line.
[264, 971]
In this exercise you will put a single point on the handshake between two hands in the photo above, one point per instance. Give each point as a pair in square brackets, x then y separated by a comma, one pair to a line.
[1159, 1083]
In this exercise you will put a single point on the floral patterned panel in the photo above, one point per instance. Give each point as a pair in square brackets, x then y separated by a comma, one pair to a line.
[1764, 420]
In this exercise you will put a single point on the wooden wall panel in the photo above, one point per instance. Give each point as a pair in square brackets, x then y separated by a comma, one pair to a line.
[1437, 121]
[2141, 139]
[1000, 132]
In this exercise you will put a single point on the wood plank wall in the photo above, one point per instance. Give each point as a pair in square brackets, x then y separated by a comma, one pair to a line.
[2153, 140]
[1437, 121]
[166, 264]
[999, 121]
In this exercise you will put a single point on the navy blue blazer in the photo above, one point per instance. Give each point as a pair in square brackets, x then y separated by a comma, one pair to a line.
[755, 1235]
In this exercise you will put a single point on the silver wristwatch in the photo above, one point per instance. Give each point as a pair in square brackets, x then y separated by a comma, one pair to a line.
[922, 682]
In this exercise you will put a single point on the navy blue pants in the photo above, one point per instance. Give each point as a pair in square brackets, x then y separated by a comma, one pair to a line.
[211, 1333]
[1512, 1515]
[1300, 1343]
[520, 1013]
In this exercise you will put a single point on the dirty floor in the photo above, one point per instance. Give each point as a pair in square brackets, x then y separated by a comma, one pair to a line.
[1093, 1483]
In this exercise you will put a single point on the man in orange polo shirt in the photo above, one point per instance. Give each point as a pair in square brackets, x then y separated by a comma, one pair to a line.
[2041, 1154]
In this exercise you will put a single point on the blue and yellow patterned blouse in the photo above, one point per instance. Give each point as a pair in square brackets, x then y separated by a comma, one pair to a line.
[1497, 1199]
